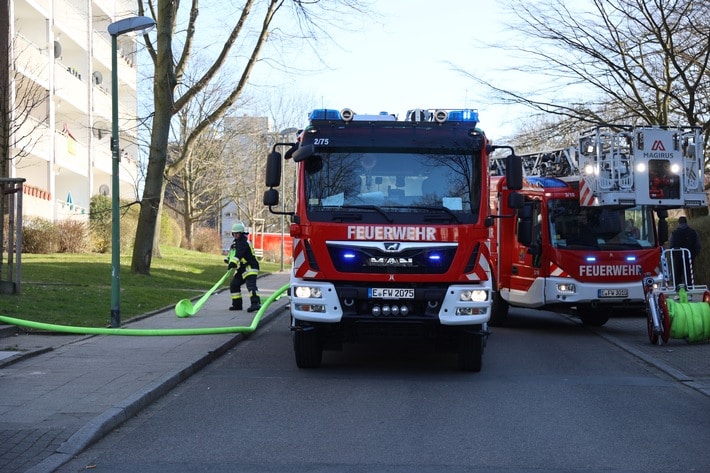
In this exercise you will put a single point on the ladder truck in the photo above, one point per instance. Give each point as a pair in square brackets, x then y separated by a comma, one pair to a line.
[594, 220]
[389, 231]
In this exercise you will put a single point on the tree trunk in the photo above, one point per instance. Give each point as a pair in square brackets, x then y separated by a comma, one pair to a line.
[163, 86]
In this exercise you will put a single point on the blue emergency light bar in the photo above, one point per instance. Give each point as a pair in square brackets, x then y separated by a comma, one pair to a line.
[437, 115]
[466, 115]
[324, 114]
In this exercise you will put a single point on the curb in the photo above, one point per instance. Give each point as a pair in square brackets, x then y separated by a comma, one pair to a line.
[113, 417]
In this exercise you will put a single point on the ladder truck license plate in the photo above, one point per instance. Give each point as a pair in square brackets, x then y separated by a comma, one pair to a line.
[613, 292]
[391, 293]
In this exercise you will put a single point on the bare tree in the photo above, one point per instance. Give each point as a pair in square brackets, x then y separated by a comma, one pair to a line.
[248, 35]
[626, 61]
[246, 151]
[195, 193]
[23, 107]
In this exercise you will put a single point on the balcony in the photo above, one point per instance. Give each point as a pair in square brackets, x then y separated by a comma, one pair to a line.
[32, 137]
[31, 61]
[71, 87]
[70, 154]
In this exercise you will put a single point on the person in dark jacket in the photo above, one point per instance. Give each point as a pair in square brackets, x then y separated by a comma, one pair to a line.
[241, 256]
[684, 237]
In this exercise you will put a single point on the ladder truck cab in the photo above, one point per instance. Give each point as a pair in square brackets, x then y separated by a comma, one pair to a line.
[389, 231]
[586, 234]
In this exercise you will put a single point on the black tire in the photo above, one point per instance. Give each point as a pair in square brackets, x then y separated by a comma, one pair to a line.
[308, 348]
[471, 351]
[499, 311]
[593, 316]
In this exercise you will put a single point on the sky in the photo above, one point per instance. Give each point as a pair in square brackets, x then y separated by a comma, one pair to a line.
[408, 58]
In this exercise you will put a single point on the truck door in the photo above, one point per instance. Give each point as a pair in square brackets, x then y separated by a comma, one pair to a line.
[527, 255]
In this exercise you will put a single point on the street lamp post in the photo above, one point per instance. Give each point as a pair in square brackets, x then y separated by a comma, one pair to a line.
[141, 24]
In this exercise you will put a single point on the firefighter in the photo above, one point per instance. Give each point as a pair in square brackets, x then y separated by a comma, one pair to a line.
[684, 237]
[241, 256]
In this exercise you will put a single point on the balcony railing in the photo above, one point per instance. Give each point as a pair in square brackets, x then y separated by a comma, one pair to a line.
[31, 60]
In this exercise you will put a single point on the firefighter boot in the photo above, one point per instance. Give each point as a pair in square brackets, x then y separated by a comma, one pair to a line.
[236, 304]
[255, 303]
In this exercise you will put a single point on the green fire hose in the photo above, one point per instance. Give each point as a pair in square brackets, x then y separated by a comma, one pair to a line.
[149, 332]
[184, 308]
[689, 320]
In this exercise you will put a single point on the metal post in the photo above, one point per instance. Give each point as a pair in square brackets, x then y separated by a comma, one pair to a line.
[115, 193]
[283, 211]
[140, 24]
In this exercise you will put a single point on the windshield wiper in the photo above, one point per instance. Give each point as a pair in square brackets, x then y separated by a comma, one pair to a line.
[441, 209]
[371, 207]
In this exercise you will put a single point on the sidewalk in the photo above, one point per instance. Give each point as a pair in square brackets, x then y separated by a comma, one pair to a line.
[59, 393]
[687, 363]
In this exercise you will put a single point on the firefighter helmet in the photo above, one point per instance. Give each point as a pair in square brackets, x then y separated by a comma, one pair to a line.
[238, 228]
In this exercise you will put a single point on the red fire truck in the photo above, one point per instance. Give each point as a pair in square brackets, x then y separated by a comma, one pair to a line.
[389, 231]
[587, 234]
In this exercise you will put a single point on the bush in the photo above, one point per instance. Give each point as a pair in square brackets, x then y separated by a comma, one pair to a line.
[39, 236]
[101, 228]
[73, 237]
[207, 240]
[100, 223]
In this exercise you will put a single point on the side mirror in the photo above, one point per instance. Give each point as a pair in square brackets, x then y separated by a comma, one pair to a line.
[302, 153]
[516, 200]
[273, 169]
[514, 172]
[525, 225]
[271, 197]
[662, 231]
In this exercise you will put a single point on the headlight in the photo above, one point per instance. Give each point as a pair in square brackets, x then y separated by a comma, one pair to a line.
[566, 288]
[474, 295]
[307, 292]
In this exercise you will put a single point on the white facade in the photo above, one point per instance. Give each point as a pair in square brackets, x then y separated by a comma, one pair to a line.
[61, 52]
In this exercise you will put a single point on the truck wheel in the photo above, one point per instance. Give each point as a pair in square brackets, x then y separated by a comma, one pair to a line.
[308, 348]
[593, 316]
[470, 351]
[650, 325]
[499, 311]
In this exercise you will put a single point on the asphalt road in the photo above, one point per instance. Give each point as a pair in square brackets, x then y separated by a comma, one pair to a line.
[552, 396]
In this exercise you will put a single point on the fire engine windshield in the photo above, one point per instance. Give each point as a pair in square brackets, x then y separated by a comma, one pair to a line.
[575, 227]
[402, 187]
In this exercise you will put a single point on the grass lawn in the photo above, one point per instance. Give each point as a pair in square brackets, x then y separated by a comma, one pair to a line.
[75, 289]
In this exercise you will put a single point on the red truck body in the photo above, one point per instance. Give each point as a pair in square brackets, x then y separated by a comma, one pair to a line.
[589, 223]
[390, 238]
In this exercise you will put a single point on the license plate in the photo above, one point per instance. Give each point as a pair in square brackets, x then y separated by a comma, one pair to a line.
[391, 293]
[613, 292]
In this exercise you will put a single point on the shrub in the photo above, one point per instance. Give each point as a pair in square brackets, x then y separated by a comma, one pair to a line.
[170, 230]
[39, 236]
[100, 223]
[73, 236]
[207, 240]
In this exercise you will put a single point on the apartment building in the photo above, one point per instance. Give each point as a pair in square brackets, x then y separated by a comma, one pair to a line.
[60, 75]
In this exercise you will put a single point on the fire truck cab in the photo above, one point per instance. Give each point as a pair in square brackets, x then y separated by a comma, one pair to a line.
[593, 221]
[389, 231]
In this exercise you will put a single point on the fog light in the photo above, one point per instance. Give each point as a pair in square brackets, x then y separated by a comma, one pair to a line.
[311, 308]
[566, 288]
[470, 310]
